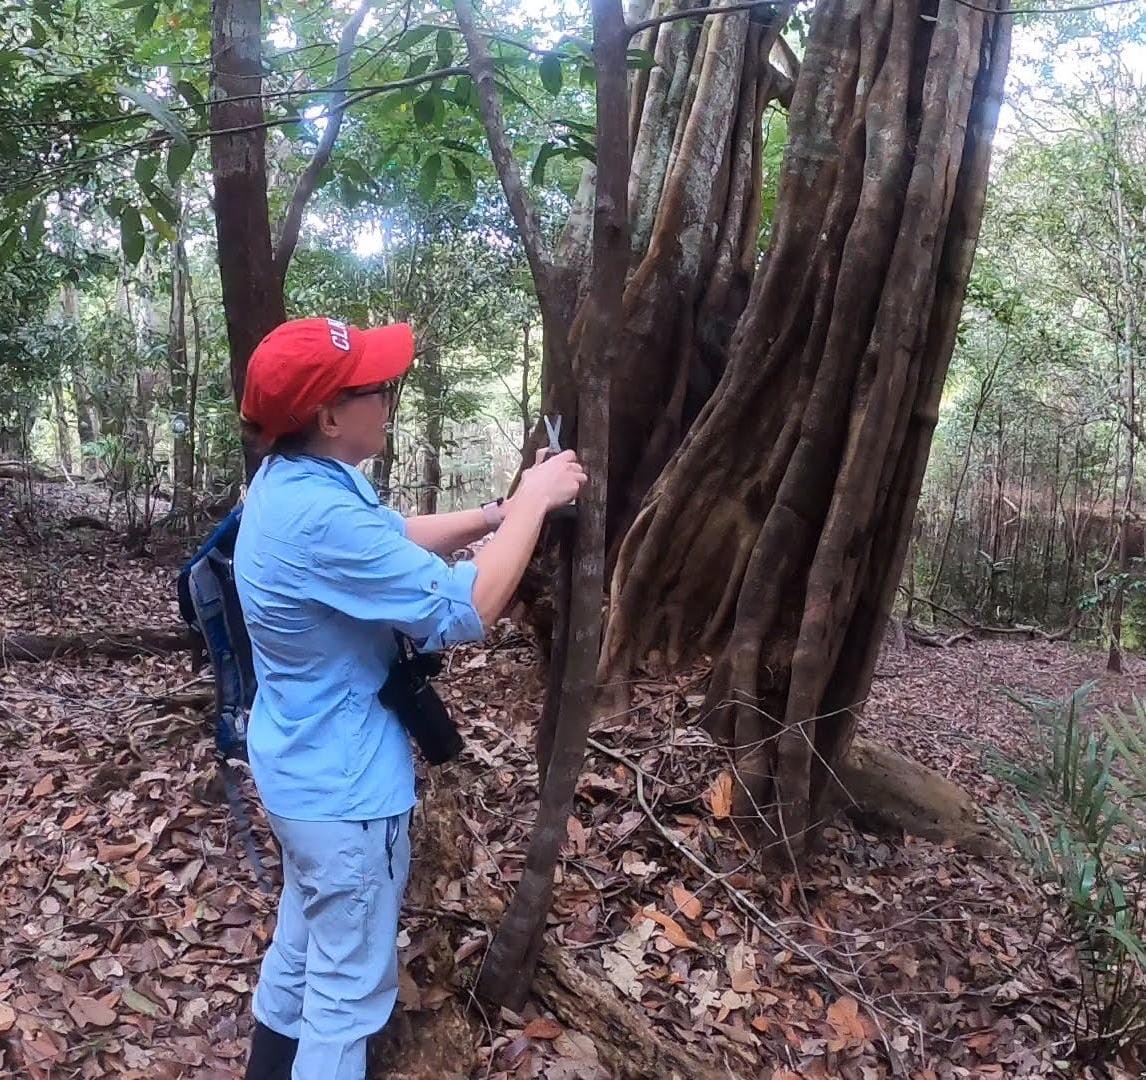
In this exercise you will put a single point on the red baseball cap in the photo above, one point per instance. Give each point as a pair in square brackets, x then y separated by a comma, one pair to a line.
[303, 364]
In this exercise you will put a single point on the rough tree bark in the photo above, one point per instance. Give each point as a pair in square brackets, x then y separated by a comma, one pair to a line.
[250, 271]
[694, 208]
[797, 484]
[252, 288]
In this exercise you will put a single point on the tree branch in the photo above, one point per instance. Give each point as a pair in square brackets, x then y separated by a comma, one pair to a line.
[520, 204]
[159, 139]
[699, 13]
[304, 189]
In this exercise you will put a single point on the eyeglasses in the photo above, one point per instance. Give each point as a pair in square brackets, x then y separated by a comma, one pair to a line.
[389, 390]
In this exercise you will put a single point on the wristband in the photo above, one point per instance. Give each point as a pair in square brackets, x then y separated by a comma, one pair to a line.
[493, 513]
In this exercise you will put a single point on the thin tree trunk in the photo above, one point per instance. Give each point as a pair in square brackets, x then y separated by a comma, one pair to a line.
[63, 429]
[252, 288]
[996, 519]
[985, 389]
[183, 463]
[526, 414]
[193, 380]
[509, 966]
[1016, 546]
[1126, 343]
[434, 397]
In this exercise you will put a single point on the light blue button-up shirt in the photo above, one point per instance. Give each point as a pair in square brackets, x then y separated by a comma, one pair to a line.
[325, 574]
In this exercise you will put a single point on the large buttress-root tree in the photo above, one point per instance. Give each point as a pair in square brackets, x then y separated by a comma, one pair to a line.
[808, 383]
[775, 537]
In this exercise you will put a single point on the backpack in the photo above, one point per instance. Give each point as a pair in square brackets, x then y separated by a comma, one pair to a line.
[209, 605]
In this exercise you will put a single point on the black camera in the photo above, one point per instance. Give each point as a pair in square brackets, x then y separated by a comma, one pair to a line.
[411, 695]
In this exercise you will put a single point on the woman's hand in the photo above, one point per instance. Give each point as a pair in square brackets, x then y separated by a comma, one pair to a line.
[556, 479]
[551, 483]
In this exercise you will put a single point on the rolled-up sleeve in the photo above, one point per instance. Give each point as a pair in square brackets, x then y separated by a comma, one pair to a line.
[364, 567]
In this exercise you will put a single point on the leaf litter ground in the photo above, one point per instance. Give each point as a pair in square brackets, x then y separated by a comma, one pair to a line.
[132, 927]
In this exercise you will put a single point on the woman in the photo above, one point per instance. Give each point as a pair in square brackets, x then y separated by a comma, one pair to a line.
[325, 574]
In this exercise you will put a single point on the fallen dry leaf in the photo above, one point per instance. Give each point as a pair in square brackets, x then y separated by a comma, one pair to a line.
[543, 1028]
[140, 1004]
[7, 1016]
[88, 1011]
[843, 1014]
[719, 796]
[621, 973]
[687, 903]
[111, 853]
[578, 836]
[741, 964]
[673, 931]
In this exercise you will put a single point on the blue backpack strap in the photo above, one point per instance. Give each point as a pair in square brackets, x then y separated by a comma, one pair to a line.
[222, 539]
[209, 603]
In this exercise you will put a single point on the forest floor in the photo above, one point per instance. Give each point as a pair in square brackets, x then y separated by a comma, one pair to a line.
[131, 926]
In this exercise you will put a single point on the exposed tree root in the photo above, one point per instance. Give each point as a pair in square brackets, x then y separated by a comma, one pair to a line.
[882, 789]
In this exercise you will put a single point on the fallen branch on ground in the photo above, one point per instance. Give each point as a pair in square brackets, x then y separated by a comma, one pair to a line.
[31, 470]
[121, 644]
[86, 521]
[626, 1040]
[944, 641]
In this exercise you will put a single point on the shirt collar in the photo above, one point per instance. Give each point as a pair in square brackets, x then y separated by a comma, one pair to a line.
[348, 476]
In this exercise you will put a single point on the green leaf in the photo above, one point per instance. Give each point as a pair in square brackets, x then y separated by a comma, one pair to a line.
[34, 228]
[146, 16]
[131, 234]
[418, 67]
[162, 202]
[146, 167]
[464, 177]
[537, 176]
[190, 93]
[639, 60]
[424, 109]
[465, 94]
[550, 70]
[155, 108]
[431, 169]
[157, 222]
[444, 46]
[414, 36]
[178, 161]
[357, 172]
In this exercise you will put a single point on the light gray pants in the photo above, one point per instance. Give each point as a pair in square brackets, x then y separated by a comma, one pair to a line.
[330, 976]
